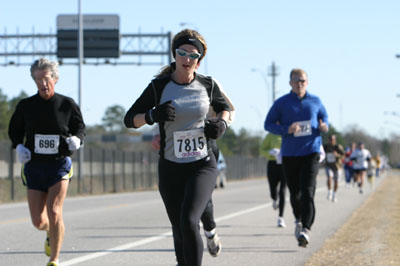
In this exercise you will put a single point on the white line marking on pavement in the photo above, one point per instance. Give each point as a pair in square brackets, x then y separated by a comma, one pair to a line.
[239, 213]
[153, 239]
[118, 248]
[159, 237]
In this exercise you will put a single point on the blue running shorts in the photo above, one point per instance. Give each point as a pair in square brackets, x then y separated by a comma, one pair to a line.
[41, 175]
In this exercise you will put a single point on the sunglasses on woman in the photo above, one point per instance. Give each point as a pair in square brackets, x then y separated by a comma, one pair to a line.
[182, 52]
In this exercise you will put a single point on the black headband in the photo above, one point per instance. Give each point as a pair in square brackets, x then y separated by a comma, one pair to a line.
[188, 40]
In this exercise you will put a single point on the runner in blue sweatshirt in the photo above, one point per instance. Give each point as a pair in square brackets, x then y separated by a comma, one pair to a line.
[299, 117]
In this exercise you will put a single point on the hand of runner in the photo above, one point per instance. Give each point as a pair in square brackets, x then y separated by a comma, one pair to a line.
[322, 126]
[155, 143]
[294, 128]
[214, 128]
[23, 154]
[74, 143]
[162, 112]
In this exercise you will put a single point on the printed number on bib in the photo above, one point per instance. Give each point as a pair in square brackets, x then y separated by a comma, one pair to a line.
[330, 157]
[47, 144]
[305, 128]
[190, 143]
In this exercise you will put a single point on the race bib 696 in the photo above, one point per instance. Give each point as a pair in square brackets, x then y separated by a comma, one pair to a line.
[47, 144]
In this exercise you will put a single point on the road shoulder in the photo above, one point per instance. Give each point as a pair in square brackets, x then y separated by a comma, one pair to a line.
[372, 234]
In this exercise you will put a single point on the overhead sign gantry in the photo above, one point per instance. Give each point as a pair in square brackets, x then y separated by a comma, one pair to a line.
[101, 36]
[103, 44]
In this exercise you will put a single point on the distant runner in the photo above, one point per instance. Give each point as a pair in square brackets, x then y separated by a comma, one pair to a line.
[360, 156]
[333, 164]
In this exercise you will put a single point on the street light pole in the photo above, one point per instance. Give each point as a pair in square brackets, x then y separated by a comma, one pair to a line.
[273, 73]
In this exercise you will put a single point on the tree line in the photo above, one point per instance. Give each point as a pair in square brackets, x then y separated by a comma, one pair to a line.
[7, 108]
[242, 142]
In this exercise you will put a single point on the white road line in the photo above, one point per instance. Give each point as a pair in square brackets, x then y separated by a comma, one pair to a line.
[118, 248]
[154, 238]
[159, 237]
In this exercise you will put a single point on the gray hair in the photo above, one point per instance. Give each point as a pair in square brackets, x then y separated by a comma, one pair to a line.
[47, 65]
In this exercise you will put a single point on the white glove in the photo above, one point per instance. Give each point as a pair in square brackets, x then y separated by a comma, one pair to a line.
[277, 154]
[74, 143]
[274, 151]
[279, 157]
[322, 154]
[23, 154]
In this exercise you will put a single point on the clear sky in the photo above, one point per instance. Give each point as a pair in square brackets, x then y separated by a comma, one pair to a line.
[347, 48]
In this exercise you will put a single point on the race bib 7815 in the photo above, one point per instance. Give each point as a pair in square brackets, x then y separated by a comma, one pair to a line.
[190, 143]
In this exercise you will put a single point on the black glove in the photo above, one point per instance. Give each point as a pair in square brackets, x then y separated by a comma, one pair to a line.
[162, 112]
[214, 128]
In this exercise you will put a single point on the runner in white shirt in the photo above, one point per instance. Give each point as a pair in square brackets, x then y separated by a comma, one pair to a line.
[360, 156]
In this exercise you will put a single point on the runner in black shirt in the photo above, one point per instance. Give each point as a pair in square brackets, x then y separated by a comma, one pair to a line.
[45, 128]
[179, 99]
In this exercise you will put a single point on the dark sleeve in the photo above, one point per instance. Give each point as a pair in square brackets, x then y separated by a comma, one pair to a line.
[76, 125]
[16, 128]
[218, 101]
[145, 102]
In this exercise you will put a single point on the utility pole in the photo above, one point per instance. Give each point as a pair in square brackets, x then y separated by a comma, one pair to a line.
[273, 73]
[80, 58]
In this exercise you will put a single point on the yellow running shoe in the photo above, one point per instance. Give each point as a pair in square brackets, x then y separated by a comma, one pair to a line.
[52, 263]
[47, 249]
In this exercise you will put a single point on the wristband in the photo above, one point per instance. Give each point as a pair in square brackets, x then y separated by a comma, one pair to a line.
[226, 124]
[148, 117]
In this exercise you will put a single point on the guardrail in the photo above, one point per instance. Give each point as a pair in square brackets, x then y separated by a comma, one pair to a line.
[111, 171]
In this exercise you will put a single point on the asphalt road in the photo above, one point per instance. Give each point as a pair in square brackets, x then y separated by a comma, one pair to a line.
[133, 229]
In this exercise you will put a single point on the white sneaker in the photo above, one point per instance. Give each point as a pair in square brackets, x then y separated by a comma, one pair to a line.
[334, 198]
[214, 245]
[275, 204]
[304, 238]
[281, 222]
[297, 229]
[329, 196]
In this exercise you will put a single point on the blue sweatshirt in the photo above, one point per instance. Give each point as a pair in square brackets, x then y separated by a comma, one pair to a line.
[289, 109]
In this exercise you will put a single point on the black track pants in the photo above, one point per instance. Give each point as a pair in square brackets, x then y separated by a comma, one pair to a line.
[207, 218]
[186, 189]
[301, 178]
[275, 179]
